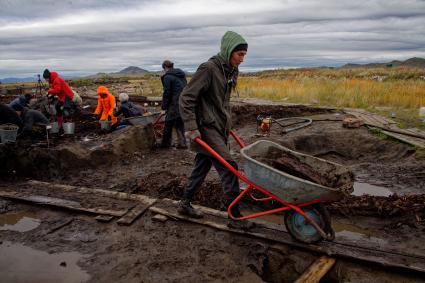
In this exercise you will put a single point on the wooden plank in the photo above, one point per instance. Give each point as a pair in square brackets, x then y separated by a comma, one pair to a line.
[107, 193]
[410, 140]
[349, 251]
[62, 203]
[134, 213]
[317, 270]
[59, 225]
[223, 214]
[160, 218]
[104, 218]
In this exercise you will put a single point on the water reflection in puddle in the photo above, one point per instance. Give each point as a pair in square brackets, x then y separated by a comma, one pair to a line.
[367, 189]
[20, 222]
[19, 263]
[354, 233]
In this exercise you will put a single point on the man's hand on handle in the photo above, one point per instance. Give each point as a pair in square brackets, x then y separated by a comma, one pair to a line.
[191, 135]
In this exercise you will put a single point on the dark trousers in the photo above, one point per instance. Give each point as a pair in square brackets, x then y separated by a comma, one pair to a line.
[202, 166]
[168, 132]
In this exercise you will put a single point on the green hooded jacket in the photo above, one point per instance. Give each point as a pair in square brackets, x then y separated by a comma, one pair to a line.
[205, 101]
[228, 42]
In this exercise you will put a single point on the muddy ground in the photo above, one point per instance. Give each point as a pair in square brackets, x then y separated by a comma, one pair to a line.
[176, 251]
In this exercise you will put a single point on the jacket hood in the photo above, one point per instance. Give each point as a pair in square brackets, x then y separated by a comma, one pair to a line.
[176, 72]
[229, 41]
[53, 76]
[102, 89]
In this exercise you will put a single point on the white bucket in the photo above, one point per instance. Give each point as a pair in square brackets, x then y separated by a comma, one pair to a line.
[8, 133]
[422, 112]
[54, 128]
[105, 125]
[69, 128]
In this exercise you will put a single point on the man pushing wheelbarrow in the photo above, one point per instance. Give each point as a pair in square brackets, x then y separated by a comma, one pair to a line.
[297, 183]
[205, 110]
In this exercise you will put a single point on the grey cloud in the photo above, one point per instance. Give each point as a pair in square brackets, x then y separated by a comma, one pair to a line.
[91, 36]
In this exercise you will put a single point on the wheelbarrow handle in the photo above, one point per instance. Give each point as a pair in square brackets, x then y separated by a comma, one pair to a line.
[237, 139]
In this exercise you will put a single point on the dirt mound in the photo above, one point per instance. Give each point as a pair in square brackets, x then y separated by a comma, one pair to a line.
[42, 163]
[393, 205]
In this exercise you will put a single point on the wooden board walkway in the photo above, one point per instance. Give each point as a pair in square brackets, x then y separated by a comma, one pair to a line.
[386, 255]
[106, 204]
[411, 136]
[368, 252]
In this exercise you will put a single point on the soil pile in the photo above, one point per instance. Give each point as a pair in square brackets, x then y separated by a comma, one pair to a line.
[393, 205]
[308, 168]
[42, 163]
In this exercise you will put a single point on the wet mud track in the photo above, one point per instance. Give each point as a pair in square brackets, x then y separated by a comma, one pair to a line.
[176, 251]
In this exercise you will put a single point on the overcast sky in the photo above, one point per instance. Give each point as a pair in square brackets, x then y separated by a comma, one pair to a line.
[90, 36]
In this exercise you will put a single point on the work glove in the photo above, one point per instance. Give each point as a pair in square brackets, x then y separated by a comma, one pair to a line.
[191, 135]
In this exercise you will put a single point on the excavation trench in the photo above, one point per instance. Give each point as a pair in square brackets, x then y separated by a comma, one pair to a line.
[125, 161]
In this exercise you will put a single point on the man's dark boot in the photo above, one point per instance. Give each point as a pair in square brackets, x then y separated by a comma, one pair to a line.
[187, 209]
[237, 224]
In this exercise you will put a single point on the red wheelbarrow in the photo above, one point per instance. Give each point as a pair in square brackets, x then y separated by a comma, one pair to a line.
[306, 218]
[156, 119]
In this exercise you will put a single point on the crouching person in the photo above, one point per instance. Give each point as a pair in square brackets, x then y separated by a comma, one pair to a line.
[31, 117]
[205, 110]
[127, 109]
[105, 106]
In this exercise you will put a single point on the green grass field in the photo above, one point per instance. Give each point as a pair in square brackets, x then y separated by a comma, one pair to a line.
[386, 91]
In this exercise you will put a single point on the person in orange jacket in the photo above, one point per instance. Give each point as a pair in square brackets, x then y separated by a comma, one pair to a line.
[105, 105]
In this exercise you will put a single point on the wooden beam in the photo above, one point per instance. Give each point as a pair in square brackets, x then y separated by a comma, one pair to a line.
[134, 213]
[104, 218]
[72, 205]
[317, 270]
[106, 193]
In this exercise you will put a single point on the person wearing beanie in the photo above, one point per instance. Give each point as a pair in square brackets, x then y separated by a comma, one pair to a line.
[105, 105]
[173, 82]
[205, 110]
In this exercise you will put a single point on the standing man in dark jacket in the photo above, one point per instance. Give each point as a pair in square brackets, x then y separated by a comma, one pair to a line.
[205, 109]
[173, 82]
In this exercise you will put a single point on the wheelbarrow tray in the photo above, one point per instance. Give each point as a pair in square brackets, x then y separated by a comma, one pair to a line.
[143, 120]
[290, 188]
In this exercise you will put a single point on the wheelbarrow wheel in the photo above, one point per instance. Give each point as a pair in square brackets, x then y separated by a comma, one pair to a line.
[305, 232]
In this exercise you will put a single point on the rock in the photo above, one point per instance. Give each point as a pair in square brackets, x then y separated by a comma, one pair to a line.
[352, 123]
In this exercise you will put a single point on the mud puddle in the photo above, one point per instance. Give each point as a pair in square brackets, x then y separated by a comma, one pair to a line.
[355, 234]
[20, 263]
[372, 190]
[19, 222]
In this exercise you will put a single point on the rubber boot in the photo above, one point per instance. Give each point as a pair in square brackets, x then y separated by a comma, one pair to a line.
[237, 224]
[185, 208]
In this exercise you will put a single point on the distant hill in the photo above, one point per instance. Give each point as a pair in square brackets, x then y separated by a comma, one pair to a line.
[414, 62]
[29, 79]
[18, 80]
[132, 70]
